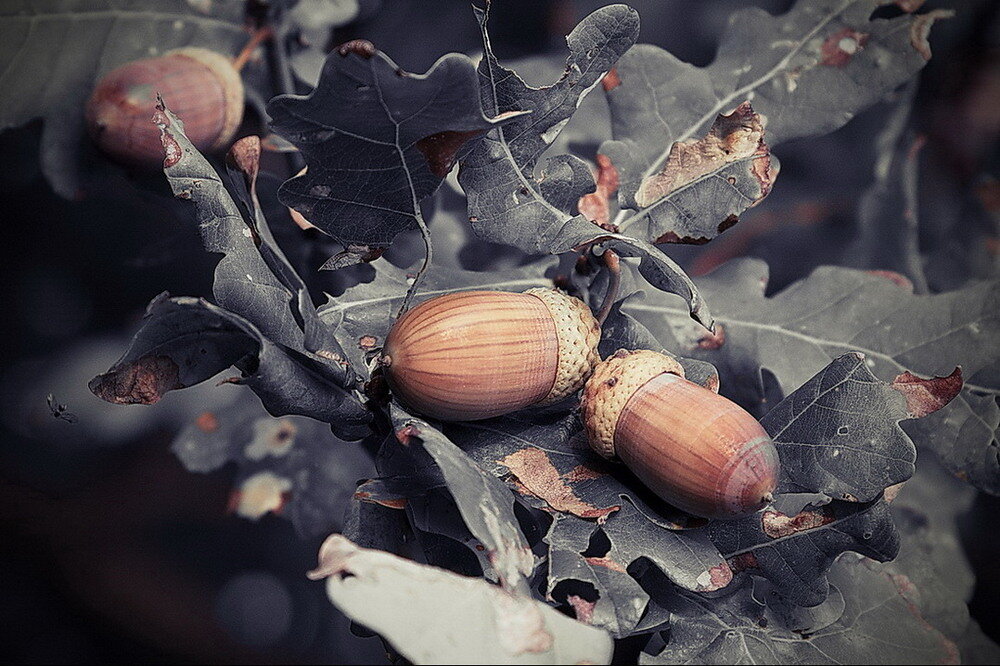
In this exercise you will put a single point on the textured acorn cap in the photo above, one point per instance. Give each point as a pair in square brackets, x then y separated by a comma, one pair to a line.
[579, 334]
[232, 85]
[610, 387]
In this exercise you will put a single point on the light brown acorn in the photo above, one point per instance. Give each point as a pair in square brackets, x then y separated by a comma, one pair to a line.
[478, 354]
[694, 448]
[201, 87]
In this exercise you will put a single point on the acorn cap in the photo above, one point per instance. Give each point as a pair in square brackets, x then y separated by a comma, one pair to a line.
[579, 334]
[612, 384]
[232, 85]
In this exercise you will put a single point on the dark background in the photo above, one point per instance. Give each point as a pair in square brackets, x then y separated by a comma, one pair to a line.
[110, 551]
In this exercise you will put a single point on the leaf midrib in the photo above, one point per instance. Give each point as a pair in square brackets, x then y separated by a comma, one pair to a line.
[819, 342]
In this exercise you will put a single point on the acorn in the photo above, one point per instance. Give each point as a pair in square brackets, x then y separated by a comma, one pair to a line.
[201, 87]
[694, 448]
[478, 354]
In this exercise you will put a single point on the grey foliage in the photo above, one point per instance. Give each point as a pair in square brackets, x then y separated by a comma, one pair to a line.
[287, 354]
[485, 504]
[509, 204]
[41, 81]
[794, 333]
[876, 625]
[377, 140]
[253, 279]
[552, 467]
[796, 553]
[839, 434]
[184, 341]
[807, 72]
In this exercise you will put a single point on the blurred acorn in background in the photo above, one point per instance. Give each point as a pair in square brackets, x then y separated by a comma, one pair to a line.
[202, 87]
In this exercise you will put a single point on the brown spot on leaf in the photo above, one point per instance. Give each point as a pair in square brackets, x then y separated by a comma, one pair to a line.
[611, 80]
[605, 562]
[728, 222]
[582, 473]
[360, 47]
[926, 396]
[672, 237]
[897, 278]
[172, 152]
[207, 422]
[733, 137]
[533, 468]
[583, 609]
[762, 169]
[141, 382]
[717, 578]
[777, 524]
[838, 49]
[441, 149]
[367, 342]
[743, 562]
[406, 432]
[713, 340]
[596, 205]
[920, 30]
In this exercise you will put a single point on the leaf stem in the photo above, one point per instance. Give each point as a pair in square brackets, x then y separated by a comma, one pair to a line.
[425, 233]
[259, 35]
[614, 282]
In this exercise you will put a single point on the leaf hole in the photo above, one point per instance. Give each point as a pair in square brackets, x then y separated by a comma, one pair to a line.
[599, 546]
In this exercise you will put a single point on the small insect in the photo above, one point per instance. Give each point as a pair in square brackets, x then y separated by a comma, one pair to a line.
[60, 411]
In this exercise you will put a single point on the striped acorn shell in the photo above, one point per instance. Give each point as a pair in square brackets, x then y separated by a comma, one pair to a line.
[696, 449]
[199, 86]
[478, 354]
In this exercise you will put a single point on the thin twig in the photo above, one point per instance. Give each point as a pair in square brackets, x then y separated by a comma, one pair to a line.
[911, 229]
[614, 282]
[258, 36]
[425, 233]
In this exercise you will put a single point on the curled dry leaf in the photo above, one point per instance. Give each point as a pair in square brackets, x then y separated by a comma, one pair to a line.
[431, 615]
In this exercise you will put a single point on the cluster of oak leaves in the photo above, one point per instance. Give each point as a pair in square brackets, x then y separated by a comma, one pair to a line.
[520, 501]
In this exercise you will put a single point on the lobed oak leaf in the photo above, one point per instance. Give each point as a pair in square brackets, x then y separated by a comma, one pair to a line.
[807, 72]
[797, 331]
[377, 140]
